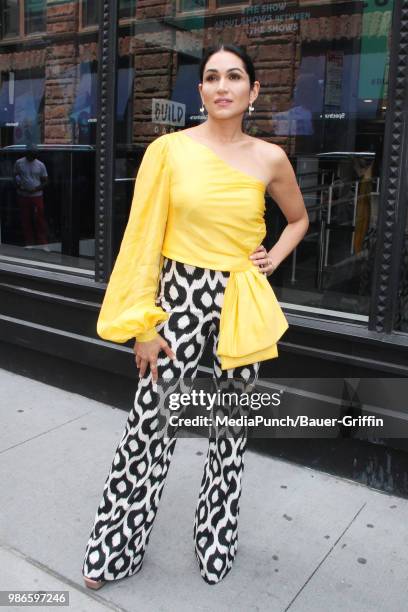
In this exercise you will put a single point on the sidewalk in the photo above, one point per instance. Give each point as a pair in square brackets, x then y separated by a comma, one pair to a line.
[308, 542]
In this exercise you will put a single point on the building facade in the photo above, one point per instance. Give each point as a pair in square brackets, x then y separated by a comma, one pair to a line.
[90, 84]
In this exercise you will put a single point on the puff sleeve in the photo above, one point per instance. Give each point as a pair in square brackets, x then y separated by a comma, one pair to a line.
[128, 309]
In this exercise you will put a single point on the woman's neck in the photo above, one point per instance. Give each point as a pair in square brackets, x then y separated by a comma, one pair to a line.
[224, 132]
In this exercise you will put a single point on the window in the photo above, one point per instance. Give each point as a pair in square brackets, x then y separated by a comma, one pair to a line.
[323, 69]
[401, 319]
[9, 18]
[34, 16]
[90, 13]
[83, 113]
[22, 17]
[48, 104]
[127, 9]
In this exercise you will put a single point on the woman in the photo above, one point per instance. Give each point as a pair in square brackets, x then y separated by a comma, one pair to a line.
[191, 269]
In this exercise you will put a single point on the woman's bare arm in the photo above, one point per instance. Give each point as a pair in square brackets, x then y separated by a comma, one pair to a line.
[285, 191]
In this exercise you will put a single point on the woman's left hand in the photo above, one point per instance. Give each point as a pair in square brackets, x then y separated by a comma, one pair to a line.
[261, 259]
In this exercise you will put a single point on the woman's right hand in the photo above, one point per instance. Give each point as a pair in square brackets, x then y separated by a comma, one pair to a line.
[147, 352]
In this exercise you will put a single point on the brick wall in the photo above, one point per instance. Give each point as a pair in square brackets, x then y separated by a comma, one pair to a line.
[153, 53]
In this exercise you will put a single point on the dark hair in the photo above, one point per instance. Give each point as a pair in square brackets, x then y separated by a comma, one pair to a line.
[239, 51]
[31, 150]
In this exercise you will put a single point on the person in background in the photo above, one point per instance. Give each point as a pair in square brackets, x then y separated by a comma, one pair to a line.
[30, 175]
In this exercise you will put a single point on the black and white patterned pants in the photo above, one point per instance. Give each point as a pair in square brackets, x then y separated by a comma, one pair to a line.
[133, 488]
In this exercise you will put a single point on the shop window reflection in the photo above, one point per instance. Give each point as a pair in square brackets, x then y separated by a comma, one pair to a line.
[9, 18]
[90, 12]
[323, 69]
[83, 114]
[401, 319]
[48, 100]
[341, 192]
[60, 220]
[22, 17]
[127, 9]
[34, 16]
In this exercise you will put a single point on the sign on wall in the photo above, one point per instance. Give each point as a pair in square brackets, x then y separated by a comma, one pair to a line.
[168, 112]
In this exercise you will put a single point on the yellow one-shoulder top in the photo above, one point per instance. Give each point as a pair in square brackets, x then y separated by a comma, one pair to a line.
[192, 206]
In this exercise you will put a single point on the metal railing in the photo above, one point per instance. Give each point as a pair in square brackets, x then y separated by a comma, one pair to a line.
[324, 204]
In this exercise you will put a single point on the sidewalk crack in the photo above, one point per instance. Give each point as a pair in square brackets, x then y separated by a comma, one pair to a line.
[67, 581]
[325, 557]
[42, 433]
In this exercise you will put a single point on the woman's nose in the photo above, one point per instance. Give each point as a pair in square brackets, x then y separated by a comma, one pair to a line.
[222, 86]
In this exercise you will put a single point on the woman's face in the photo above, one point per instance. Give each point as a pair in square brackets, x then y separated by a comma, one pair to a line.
[225, 77]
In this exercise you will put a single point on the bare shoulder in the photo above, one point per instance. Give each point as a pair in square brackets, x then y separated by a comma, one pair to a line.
[273, 151]
[271, 155]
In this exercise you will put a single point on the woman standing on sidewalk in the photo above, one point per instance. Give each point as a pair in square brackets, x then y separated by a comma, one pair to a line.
[191, 269]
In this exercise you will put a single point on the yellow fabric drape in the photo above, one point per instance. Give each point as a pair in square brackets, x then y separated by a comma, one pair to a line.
[192, 206]
[128, 309]
[251, 320]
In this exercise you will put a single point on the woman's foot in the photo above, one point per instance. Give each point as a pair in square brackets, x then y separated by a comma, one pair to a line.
[94, 584]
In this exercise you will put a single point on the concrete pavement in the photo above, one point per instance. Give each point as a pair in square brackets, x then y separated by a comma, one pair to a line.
[308, 541]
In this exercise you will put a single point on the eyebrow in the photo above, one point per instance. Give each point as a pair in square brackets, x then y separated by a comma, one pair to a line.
[229, 69]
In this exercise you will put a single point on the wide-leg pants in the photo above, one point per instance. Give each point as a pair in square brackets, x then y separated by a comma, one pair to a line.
[124, 519]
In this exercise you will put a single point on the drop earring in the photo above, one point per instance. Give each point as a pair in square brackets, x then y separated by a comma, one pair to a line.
[250, 108]
[202, 109]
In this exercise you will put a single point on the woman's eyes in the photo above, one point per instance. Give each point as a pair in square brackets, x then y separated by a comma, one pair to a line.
[211, 77]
